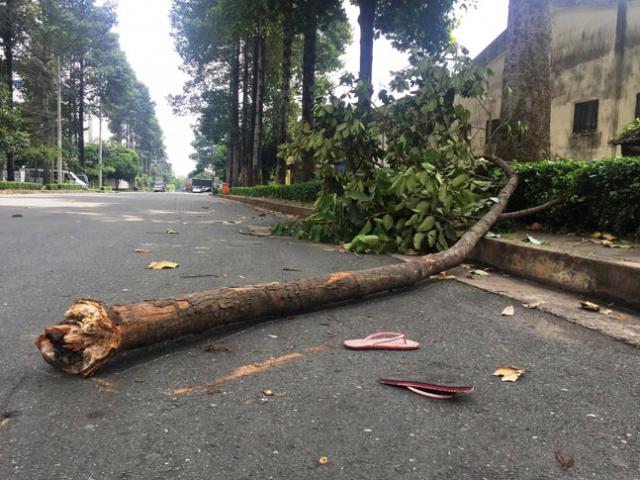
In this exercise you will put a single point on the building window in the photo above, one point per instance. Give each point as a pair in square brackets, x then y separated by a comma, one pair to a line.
[490, 131]
[638, 106]
[585, 118]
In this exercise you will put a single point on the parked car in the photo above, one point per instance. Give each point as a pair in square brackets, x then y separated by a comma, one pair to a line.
[73, 178]
[159, 186]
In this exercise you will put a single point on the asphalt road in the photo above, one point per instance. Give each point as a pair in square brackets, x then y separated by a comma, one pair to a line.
[151, 415]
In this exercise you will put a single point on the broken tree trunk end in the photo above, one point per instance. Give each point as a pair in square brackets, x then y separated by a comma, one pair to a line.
[93, 332]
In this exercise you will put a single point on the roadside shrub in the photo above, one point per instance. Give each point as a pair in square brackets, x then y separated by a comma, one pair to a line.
[64, 186]
[306, 192]
[600, 195]
[20, 186]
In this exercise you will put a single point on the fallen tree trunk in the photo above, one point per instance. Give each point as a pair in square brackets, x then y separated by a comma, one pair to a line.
[93, 332]
[530, 211]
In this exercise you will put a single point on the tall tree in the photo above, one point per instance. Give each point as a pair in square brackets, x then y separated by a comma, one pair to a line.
[366, 20]
[13, 17]
[417, 25]
[288, 34]
[309, 78]
[233, 167]
[526, 93]
[259, 75]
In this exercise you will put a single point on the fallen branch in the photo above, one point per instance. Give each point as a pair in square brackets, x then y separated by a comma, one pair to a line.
[530, 211]
[93, 332]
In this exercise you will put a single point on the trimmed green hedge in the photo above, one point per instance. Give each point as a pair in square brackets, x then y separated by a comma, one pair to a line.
[64, 186]
[601, 195]
[20, 186]
[301, 192]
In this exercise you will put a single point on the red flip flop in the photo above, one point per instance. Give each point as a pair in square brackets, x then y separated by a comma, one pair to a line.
[382, 341]
[430, 390]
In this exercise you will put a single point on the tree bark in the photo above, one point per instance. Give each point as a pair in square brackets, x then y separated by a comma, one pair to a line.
[93, 332]
[308, 82]
[287, 42]
[7, 47]
[234, 150]
[526, 94]
[246, 117]
[256, 164]
[366, 21]
[80, 125]
[252, 118]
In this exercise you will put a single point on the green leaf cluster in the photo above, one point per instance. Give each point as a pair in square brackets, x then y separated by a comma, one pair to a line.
[401, 175]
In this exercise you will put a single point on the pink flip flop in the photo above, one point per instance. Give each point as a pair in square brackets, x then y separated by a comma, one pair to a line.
[382, 341]
[430, 390]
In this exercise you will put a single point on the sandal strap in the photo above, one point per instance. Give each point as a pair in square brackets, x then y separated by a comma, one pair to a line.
[429, 394]
[385, 337]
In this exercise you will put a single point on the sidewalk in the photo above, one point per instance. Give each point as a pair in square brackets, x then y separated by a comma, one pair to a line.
[572, 263]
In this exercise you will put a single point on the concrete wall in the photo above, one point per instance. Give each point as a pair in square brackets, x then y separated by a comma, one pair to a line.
[586, 65]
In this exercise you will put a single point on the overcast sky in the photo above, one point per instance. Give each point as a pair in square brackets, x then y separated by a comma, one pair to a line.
[145, 38]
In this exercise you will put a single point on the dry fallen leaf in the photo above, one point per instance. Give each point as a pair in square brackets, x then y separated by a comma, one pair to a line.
[532, 305]
[6, 417]
[593, 307]
[480, 273]
[442, 276]
[162, 265]
[142, 250]
[607, 311]
[596, 235]
[509, 373]
[609, 237]
[271, 393]
[508, 311]
[534, 241]
[565, 460]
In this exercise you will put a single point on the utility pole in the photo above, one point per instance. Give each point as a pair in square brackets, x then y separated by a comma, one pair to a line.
[60, 175]
[100, 146]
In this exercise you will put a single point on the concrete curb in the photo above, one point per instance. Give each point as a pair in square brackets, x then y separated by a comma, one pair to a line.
[275, 205]
[610, 281]
[607, 280]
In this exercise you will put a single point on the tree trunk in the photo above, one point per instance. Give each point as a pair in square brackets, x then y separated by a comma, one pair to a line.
[283, 134]
[254, 93]
[366, 21]
[81, 155]
[308, 82]
[7, 46]
[246, 117]
[235, 118]
[256, 164]
[526, 94]
[93, 332]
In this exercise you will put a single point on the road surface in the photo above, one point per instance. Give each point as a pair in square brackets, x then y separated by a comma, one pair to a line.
[187, 409]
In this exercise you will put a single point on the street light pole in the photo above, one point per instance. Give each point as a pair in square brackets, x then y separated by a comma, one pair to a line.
[60, 175]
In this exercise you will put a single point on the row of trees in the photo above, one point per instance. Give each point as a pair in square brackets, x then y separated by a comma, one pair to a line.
[257, 67]
[42, 40]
